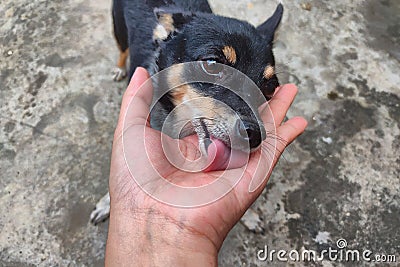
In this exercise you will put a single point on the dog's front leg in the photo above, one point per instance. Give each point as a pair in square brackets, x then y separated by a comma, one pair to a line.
[119, 72]
[102, 210]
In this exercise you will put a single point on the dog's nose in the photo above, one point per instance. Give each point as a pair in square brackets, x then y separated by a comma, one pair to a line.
[253, 133]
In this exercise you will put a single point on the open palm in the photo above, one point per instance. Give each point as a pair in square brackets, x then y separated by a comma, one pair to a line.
[139, 160]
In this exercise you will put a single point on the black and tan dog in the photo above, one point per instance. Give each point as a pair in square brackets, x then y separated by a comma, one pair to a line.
[159, 34]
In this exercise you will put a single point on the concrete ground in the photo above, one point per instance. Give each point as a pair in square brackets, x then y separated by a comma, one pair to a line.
[58, 110]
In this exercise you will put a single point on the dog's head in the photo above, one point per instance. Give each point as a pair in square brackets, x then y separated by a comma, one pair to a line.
[217, 45]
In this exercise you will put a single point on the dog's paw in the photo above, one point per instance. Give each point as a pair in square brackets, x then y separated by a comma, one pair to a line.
[119, 74]
[252, 221]
[102, 210]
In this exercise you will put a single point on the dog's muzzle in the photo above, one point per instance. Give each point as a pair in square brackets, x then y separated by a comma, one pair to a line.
[248, 134]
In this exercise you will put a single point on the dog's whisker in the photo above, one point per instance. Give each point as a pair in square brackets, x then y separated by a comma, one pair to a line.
[284, 63]
[272, 152]
[274, 135]
[277, 141]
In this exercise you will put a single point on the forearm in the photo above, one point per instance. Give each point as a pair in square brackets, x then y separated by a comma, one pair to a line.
[148, 242]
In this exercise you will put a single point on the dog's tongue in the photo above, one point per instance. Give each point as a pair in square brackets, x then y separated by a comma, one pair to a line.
[221, 157]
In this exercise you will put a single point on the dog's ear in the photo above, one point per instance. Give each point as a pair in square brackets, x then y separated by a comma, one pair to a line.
[170, 21]
[268, 28]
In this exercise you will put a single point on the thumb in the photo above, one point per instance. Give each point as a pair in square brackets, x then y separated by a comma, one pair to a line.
[135, 107]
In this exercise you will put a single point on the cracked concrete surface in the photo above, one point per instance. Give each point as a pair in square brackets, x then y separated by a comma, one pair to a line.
[58, 109]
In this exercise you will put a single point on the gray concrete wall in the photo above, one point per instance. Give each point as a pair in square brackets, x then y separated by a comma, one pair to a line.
[58, 109]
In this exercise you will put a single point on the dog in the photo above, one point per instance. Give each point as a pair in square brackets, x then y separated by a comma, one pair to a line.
[162, 34]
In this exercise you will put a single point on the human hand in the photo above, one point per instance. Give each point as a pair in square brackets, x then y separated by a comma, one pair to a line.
[145, 231]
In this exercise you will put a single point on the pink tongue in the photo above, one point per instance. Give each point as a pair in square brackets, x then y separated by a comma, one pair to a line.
[221, 157]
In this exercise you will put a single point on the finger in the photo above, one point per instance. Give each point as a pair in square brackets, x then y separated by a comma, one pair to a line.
[271, 153]
[276, 143]
[280, 103]
[137, 99]
[289, 131]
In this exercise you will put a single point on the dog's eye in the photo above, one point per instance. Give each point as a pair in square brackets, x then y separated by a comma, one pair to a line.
[212, 67]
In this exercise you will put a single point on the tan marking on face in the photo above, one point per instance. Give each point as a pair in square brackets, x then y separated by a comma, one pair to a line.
[269, 72]
[179, 94]
[179, 91]
[192, 102]
[164, 28]
[230, 54]
[123, 56]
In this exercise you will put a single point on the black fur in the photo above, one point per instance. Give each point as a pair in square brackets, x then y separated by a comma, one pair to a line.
[199, 35]
[134, 22]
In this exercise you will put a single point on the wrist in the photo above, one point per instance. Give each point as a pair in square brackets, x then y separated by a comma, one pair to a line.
[150, 239]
